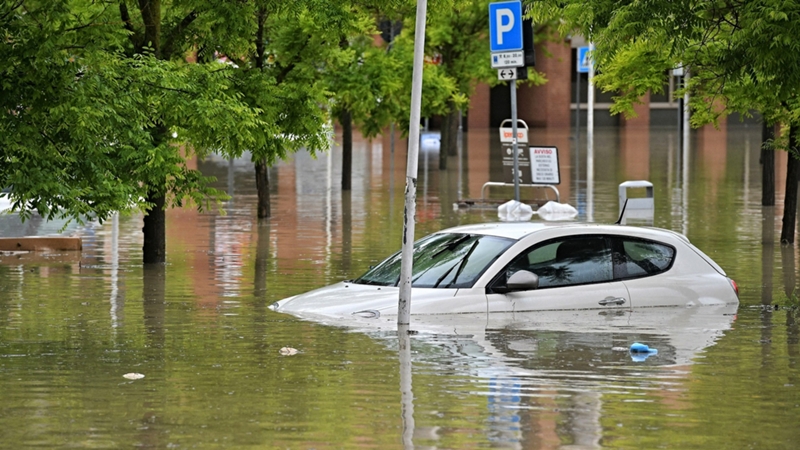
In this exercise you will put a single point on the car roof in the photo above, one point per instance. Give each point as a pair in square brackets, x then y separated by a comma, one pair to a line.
[519, 230]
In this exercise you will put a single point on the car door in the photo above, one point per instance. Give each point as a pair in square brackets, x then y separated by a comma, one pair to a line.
[575, 272]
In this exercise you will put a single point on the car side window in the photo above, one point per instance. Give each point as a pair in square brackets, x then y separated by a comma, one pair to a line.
[641, 258]
[569, 261]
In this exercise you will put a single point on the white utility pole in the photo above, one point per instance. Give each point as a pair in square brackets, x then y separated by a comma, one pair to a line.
[590, 142]
[407, 251]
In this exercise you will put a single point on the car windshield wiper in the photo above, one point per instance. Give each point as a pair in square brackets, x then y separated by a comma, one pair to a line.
[444, 275]
[464, 262]
[451, 245]
[460, 264]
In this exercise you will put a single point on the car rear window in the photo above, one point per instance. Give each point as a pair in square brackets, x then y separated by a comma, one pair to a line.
[640, 258]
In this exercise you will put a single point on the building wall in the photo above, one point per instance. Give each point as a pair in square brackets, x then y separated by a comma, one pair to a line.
[642, 111]
[548, 105]
[479, 105]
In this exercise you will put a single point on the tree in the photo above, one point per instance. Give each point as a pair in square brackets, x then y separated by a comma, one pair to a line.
[100, 107]
[203, 117]
[92, 106]
[741, 54]
[59, 117]
[280, 51]
[364, 81]
[458, 34]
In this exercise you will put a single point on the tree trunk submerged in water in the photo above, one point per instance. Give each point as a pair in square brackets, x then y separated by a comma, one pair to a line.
[154, 249]
[449, 141]
[262, 187]
[790, 199]
[767, 165]
[346, 121]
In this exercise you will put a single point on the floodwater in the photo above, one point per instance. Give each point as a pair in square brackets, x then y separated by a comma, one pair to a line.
[215, 376]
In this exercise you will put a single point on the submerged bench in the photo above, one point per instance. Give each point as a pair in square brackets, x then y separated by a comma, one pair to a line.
[40, 244]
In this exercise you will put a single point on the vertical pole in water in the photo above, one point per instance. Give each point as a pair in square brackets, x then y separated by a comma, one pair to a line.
[577, 125]
[685, 153]
[578, 104]
[514, 145]
[407, 252]
[590, 142]
[686, 125]
[406, 392]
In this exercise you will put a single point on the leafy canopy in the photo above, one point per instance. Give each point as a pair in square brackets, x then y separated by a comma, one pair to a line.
[741, 53]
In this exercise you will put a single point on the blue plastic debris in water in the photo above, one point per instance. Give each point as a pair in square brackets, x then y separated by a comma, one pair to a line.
[640, 352]
[638, 347]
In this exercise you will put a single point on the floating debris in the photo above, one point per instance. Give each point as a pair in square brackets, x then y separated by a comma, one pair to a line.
[640, 352]
[368, 313]
[133, 376]
[289, 351]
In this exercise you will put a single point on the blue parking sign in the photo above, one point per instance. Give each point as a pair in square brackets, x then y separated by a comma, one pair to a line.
[505, 26]
[584, 61]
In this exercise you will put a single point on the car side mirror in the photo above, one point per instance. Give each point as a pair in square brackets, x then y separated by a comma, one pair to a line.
[521, 280]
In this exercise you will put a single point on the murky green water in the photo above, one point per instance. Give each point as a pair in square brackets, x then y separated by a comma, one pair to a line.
[199, 328]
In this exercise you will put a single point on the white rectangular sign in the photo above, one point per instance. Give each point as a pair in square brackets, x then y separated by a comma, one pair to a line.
[508, 59]
[507, 135]
[544, 165]
[507, 74]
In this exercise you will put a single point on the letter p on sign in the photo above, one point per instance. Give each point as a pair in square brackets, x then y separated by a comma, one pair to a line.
[505, 23]
[505, 26]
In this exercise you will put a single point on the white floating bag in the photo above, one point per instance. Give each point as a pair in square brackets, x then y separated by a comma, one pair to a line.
[557, 211]
[514, 211]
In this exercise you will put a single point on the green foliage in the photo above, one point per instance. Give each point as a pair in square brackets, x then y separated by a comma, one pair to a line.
[741, 54]
[101, 103]
[96, 114]
[364, 79]
[459, 33]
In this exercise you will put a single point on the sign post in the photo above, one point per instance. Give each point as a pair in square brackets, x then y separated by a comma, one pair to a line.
[581, 66]
[507, 47]
[515, 173]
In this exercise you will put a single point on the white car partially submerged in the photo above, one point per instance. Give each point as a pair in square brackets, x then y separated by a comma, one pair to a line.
[530, 266]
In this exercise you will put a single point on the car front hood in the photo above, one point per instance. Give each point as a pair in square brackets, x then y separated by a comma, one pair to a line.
[344, 299]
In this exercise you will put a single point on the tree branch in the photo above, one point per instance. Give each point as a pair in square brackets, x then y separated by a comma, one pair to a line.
[11, 9]
[126, 19]
[89, 23]
[176, 33]
[261, 17]
[163, 88]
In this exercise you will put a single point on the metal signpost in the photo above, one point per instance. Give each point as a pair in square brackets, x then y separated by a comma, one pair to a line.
[590, 141]
[582, 66]
[515, 172]
[507, 47]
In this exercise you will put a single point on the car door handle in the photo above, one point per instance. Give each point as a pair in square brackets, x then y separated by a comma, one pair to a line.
[612, 301]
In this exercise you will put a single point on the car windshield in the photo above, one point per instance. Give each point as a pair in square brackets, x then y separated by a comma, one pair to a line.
[445, 260]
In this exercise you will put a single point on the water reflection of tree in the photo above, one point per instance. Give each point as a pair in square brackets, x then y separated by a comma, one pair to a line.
[261, 263]
[153, 293]
[154, 303]
[555, 275]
